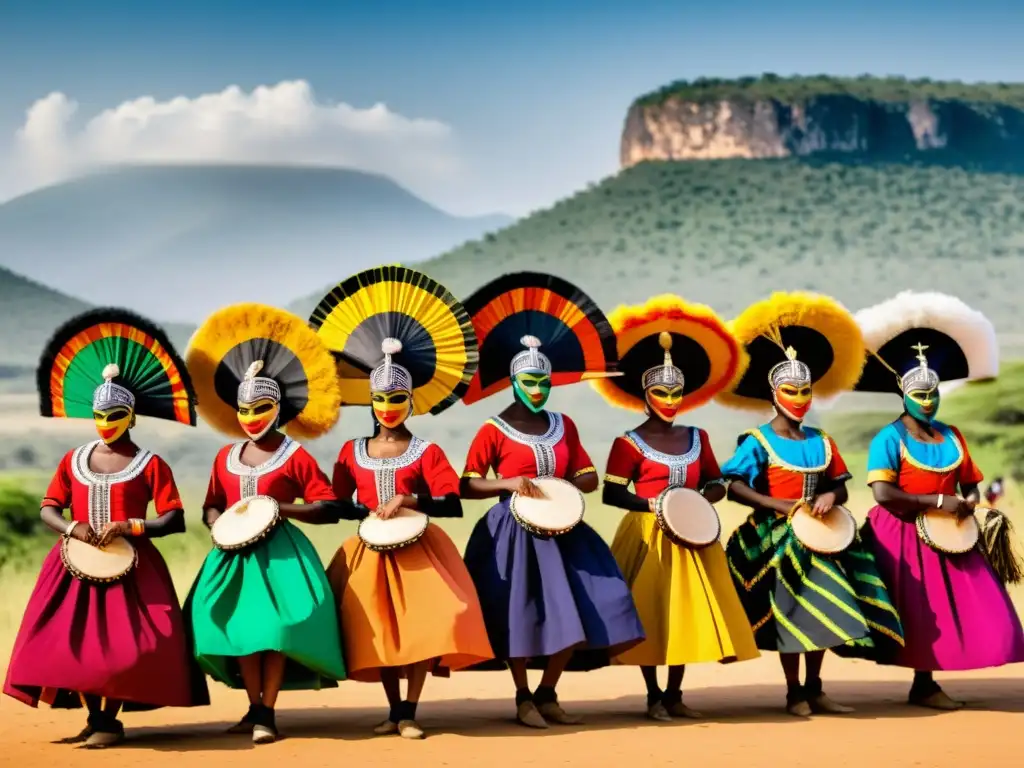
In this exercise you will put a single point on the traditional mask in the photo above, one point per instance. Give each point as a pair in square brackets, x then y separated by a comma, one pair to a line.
[532, 389]
[391, 408]
[111, 424]
[259, 417]
[664, 401]
[922, 405]
[793, 401]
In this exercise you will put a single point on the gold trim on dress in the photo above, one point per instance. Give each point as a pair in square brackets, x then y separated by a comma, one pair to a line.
[585, 471]
[882, 476]
[776, 460]
[616, 480]
[905, 455]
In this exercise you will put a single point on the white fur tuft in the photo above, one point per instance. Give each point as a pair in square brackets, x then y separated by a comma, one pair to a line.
[255, 367]
[530, 342]
[391, 346]
[971, 330]
[111, 371]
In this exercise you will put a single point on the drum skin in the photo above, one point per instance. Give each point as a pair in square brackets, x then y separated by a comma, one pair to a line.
[944, 533]
[405, 528]
[245, 523]
[831, 534]
[101, 566]
[555, 515]
[687, 518]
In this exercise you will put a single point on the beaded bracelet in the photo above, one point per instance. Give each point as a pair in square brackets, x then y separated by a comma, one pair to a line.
[70, 529]
[138, 526]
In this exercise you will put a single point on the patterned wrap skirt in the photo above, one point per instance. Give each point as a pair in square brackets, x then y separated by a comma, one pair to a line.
[273, 596]
[541, 595]
[125, 640]
[409, 605]
[799, 601]
[685, 598]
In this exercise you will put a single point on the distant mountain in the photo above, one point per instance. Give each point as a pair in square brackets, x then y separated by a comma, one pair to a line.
[30, 313]
[177, 242]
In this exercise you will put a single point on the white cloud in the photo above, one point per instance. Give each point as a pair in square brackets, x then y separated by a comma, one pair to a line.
[275, 124]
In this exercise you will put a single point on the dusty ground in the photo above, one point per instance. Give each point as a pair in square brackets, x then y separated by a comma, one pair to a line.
[468, 718]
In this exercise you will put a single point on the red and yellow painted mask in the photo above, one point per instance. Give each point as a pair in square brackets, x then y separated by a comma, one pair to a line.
[664, 401]
[112, 423]
[793, 401]
[391, 408]
[259, 417]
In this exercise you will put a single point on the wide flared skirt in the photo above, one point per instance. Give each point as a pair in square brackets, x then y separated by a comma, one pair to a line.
[799, 601]
[409, 605]
[956, 613]
[273, 596]
[125, 640]
[541, 595]
[685, 598]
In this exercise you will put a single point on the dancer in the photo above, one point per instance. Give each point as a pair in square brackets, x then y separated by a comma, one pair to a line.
[956, 613]
[674, 357]
[412, 609]
[799, 602]
[543, 597]
[264, 617]
[122, 644]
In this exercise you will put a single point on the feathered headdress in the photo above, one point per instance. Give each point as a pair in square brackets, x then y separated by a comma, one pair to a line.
[518, 315]
[108, 357]
[395, 328]
[670, 341]
[797, 337]
[915, 340]
[246, 352]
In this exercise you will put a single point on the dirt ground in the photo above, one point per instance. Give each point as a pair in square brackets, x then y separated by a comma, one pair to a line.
[468, 719]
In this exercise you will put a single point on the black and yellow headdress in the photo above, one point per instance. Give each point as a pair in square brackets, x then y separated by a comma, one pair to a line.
[539, 321]
[392, 323]
[107, 357]
[916, 340]
[795, 335]
[670, 341]
[242, 350]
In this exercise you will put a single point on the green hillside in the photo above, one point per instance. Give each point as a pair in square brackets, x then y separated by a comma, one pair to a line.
[729, 232]
[800, 89]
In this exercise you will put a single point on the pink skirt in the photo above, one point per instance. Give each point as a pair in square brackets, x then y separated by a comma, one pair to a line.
[956, 613]
[125, 640]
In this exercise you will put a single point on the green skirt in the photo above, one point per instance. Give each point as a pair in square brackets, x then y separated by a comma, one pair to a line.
[273, 596]
[799, 601]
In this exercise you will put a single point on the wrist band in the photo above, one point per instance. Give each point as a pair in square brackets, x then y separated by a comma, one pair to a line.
[70, 529]
[138, 526]
[942, 498]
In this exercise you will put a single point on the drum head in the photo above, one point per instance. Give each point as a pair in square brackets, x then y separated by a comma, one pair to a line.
[244, 522]
[561, 510]
[943, 531]
[404, 527]
[690, 517]
[831, 533]
[101, 564]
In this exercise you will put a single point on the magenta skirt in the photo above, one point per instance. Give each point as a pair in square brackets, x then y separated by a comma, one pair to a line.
[956, 613]
[124, 640]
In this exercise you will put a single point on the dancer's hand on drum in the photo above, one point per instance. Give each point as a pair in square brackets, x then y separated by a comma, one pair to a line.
[389, 510]
[652, 504]
[823, 503]
[111, 531]
[964, 509]
[84, 533]
[527, 489]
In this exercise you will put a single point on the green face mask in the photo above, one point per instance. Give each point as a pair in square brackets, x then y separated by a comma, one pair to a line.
[922, 406]
[532, 389]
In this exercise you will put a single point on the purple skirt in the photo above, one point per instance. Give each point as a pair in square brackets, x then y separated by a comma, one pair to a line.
[125, 640]
[543, 595]
[956, 613]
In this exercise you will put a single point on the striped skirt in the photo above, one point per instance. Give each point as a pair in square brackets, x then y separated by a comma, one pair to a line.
[798, 601]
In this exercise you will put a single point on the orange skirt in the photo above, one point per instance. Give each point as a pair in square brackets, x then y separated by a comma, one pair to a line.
[410, 605]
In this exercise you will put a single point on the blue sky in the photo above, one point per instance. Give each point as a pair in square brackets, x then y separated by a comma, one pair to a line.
[535, 92]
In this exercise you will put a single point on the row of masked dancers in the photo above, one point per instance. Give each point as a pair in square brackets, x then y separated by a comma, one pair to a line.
[269, 617]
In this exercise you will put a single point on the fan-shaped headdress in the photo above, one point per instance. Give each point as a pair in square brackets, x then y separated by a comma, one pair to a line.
[671, 342]
[248, 352]
[111, 357]
[797, 338]
[517, 315]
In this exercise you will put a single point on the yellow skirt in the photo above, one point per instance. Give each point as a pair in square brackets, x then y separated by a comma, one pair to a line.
[413, 604]
[686, 599]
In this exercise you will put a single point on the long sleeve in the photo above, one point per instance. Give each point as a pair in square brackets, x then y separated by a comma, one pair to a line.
[442, 482]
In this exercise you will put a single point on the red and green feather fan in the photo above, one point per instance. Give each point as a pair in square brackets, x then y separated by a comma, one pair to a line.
[71, 367]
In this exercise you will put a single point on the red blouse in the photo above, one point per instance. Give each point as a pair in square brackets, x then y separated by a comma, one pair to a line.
[650, 471]
[290, 474]
[511, 453]
[422, 469]
[98, 499]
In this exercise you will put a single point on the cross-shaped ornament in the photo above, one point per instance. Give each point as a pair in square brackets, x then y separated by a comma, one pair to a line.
[920, 348]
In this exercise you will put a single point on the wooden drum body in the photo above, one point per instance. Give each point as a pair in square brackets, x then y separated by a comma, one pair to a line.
[687, 518]
[405, 528]
[946, 534]
[245, 523]
[100, 566]
[831, 534]
[558, 513]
